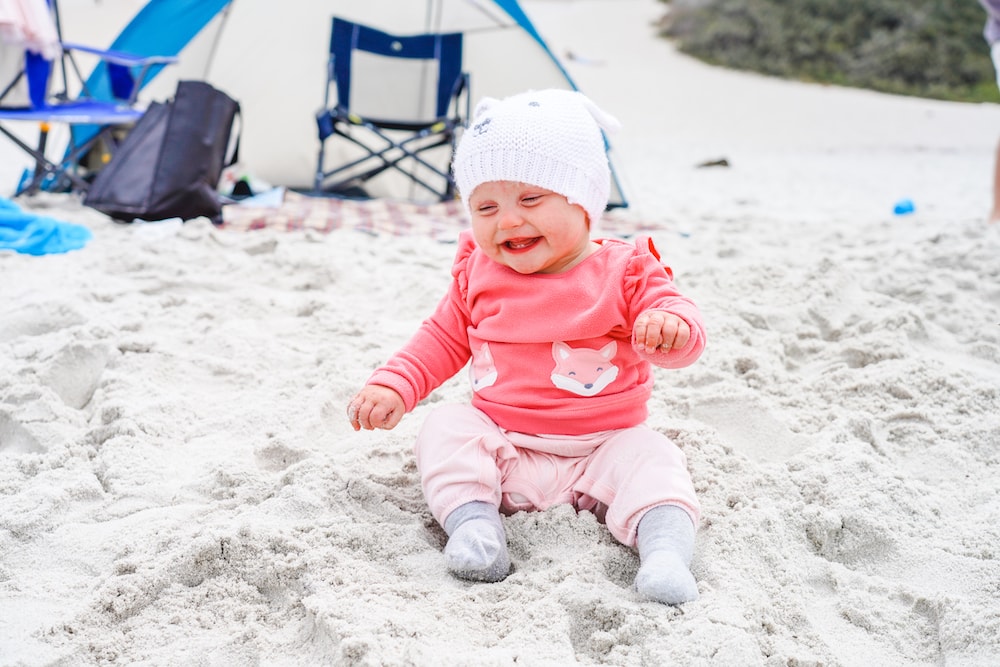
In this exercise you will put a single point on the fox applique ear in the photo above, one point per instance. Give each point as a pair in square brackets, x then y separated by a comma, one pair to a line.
[482, 371]
[562, 351]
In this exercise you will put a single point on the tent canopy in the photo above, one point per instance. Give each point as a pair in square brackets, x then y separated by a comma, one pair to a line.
[271, 57]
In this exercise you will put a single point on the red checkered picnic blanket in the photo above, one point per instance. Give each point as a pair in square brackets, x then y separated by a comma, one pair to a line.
[442, 221]
[324, 214]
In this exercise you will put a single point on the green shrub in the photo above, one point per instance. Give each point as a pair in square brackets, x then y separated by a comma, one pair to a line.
[928, 48]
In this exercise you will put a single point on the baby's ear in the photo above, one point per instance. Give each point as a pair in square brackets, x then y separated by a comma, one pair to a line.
[484, 105]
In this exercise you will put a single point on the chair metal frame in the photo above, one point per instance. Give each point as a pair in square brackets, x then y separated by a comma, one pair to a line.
[452, 106]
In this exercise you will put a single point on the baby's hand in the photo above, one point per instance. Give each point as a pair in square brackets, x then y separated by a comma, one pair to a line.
[374, 407]
[656, 330]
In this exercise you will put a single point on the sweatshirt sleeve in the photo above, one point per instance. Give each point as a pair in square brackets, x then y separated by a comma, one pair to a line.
[649, 285]
[438, 349]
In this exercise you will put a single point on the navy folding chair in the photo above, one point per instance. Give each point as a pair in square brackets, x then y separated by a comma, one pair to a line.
[399, 102]
[126, 72]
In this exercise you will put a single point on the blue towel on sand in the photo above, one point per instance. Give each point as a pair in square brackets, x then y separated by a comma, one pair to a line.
[37, 235]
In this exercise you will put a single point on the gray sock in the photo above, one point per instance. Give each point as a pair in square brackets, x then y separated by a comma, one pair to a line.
[666, 543]
[477, 544]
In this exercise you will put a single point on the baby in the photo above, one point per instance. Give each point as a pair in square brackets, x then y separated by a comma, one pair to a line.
[561, 332]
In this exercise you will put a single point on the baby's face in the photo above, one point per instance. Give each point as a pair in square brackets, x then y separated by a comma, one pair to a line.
[528, 228]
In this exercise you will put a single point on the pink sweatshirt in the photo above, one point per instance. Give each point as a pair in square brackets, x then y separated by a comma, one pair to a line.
[551, 353]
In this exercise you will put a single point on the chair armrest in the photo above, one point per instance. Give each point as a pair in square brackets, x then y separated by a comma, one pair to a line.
[127, 71]
[121, 57]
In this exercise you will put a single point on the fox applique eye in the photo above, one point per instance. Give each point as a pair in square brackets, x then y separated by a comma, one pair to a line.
[583, 371]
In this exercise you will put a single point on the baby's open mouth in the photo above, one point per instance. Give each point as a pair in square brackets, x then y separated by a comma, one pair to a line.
[521, 244]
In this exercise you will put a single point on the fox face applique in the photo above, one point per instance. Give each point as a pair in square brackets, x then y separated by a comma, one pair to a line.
[482, 370]
[583, 371]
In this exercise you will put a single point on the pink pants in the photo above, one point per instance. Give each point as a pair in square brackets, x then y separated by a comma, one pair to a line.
[620, 474]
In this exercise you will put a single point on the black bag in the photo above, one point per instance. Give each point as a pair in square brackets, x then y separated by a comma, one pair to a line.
[170, 164]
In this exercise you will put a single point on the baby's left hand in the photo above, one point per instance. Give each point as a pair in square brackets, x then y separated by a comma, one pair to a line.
[656, 330]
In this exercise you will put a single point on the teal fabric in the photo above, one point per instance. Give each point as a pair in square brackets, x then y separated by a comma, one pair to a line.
[32, 234]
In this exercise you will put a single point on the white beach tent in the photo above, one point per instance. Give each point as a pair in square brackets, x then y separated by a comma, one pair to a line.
[271, 57]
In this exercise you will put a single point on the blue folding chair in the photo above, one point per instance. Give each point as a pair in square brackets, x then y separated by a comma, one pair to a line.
[126, 73]
[397, 99]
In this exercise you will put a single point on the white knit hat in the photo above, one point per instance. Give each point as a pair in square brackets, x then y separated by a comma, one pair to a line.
[548, 138]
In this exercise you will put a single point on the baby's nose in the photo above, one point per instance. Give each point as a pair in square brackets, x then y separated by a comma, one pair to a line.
[509, 220]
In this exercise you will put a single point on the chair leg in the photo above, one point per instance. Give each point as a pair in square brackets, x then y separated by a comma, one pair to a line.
[404, 150]
[43, 140]
[318, 178]
[45, 167]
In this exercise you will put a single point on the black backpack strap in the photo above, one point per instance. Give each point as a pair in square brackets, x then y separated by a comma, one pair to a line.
[238, 123]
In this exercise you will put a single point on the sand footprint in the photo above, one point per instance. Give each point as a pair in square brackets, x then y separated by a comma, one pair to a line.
[75, 372]
[15, 439]
[276, 456]
[598, 627]
[850, 539]
[206, 570]
[32, 319]
[751, 429]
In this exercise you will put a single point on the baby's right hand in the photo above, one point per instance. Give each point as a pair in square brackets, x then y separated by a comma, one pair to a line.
[374, 407]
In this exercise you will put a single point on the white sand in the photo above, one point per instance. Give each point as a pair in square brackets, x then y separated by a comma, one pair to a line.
[178, 483]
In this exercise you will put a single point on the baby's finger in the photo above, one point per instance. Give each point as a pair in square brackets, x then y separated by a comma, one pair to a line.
[675, 334]
[352, 414]
[653, 337]
[640, 332]
[667, 334]
[391, 420]
[361, 417]
[381, 416]
[369, 416]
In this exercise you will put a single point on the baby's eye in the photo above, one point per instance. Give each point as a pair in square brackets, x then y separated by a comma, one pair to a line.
[484, 209]
[531, 200]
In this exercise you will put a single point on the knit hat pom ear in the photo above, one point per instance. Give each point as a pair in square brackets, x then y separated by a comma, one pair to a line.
[606, 121]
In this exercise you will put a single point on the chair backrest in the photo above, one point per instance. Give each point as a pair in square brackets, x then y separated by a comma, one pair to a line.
[37, 70]
[368, 84]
